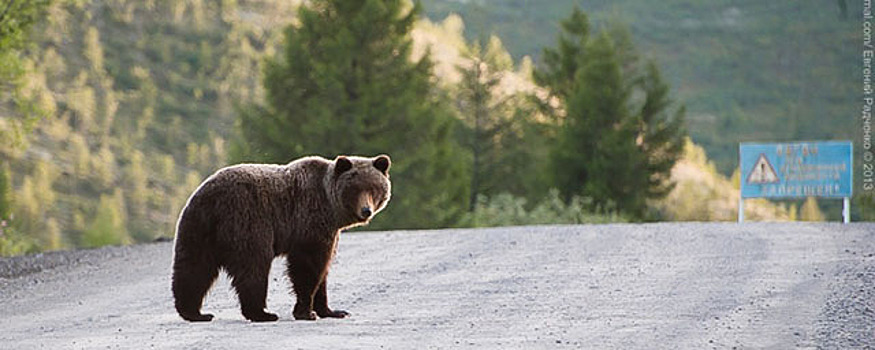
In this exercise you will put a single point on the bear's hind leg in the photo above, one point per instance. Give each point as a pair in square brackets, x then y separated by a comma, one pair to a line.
[250, 281]
[191, 281]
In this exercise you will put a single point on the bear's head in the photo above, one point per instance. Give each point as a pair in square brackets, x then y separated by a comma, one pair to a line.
[360, 187]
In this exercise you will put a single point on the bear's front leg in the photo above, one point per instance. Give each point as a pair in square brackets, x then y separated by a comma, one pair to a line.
[320, 303]
[307, 267]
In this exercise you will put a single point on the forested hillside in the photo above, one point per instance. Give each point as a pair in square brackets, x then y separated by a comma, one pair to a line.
[139, 101]
[747, 70]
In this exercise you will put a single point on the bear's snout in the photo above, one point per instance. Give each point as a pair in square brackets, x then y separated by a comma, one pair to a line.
[365, 206]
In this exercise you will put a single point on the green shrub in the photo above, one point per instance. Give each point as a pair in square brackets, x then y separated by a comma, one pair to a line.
[108, 226]
[12, 242]
[507, 210]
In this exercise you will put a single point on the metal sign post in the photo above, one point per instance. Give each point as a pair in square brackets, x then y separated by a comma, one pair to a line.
[846, 210]
[796, 170]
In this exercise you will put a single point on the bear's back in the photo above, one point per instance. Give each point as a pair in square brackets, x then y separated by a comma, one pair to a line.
[303, 175]
[243, 177]
[268, 193]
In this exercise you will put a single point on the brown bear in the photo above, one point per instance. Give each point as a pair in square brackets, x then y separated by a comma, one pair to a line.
[243, 216]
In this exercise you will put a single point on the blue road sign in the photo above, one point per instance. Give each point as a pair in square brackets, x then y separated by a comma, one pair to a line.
[799, 169]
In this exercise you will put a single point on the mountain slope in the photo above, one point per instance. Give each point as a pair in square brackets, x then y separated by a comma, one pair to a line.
[140, 99]
[747, 70]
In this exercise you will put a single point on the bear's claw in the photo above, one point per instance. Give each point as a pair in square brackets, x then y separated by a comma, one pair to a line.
[197, 317]
[309, 316]
[333, 314]
[262, 317]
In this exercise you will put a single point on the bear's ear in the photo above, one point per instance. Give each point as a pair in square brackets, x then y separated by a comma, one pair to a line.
[341, 165]
[382, 163]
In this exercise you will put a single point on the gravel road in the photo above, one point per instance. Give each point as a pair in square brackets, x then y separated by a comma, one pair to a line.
[688, 286]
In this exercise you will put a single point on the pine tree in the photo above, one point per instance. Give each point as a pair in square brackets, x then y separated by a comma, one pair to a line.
[346, 84]
[16, 19]
[660, 138]
[137, 191]
[810, 211]
[5, 192]
[109, 223]
[483, 112]
[561, 64]
[617, 142]
[595, 153]
[502, 136]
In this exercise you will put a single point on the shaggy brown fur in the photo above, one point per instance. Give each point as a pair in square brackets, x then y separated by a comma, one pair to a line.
[243, 216]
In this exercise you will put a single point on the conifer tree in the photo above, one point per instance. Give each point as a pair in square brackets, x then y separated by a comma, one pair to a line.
[346, 84]
[109, 223]
[5, 192]
[16, 20]
[501, 133]
[562, 63]
[137, 191]
[482, 113]
[810, 211]
[617, 141]
[659, 136]
[595, 153]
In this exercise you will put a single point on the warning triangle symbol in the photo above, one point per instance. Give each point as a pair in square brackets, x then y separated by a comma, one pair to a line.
[762, 172]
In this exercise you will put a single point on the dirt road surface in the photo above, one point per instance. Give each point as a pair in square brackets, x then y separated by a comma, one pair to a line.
[688, 286]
